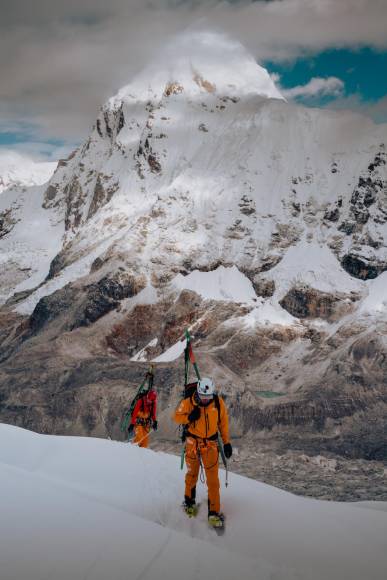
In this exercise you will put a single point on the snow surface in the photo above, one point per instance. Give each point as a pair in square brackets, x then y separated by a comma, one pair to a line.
[221, 284]
[89, 509]
[33, 242]
[17, 170]
[312, 264]
[70, 274]
[172, 353]
[376, 301]
[269, 312]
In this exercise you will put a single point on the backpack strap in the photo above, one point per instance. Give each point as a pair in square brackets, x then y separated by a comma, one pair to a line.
[217, 405]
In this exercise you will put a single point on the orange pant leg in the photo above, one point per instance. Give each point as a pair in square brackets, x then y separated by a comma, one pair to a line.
[193, 465]
[141, 436]
[210, 459]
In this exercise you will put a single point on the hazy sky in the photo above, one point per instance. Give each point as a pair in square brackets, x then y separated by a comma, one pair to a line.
[61, 59]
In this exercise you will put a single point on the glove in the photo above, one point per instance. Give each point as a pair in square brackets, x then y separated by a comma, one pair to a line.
[154, 425]
[227, 450]
[194, 414]
[130, 428]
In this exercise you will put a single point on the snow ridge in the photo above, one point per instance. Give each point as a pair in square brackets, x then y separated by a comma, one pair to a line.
[76, 518]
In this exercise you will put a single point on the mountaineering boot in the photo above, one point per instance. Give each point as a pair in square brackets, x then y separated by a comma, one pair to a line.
[190, 507]
[216, 520]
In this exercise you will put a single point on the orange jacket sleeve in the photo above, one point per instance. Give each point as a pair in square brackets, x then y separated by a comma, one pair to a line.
[223, 422]
[182, 411]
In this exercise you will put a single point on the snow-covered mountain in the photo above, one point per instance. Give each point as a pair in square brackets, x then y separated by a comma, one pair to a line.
[18, 171]
[202, 198]
[197, 164]
[84, 508]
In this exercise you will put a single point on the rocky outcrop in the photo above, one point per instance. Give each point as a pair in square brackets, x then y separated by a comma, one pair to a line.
[370, 189]
[304, 412]
[82, 307]
[305, 302]
[361, 268]
[50, 307]
[105, 295]
[7, 222]
[102, 194]
[264, 288]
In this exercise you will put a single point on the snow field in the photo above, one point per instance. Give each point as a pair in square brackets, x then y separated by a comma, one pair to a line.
[17, 170]
[84, 508]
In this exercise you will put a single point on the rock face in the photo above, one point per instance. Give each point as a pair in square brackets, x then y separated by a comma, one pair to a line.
[310, 303]
[84, 306]
[362, 268]
[185, 208]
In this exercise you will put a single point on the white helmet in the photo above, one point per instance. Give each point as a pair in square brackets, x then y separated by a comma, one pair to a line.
[206, 388]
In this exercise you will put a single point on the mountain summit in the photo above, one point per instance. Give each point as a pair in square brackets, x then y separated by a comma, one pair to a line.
[196, 63]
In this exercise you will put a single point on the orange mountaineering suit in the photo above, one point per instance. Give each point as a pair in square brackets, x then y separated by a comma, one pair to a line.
[202, 446]
[143, 417]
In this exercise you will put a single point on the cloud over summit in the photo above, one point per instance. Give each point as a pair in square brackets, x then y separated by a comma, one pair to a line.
[59, 61]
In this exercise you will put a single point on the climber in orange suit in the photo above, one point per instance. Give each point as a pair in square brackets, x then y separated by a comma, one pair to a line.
[204, 413]
[144, 418]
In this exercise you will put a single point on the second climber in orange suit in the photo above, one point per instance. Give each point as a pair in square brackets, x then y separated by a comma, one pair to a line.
[204, 413]
[144, 418]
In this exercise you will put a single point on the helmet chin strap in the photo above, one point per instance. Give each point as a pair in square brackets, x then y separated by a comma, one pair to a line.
[205, 401]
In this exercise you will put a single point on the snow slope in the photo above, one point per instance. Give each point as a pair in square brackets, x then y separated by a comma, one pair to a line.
[34, 239]
[20, 171]
[220, 284]
[93, 509]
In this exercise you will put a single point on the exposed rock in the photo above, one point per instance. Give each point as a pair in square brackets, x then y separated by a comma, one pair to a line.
[347, 227]
[140, 327]
[173, 89]
[264, 288]
[51, 191]
[101, 195]
[154, 165]
[105, 295]
[368, 191]
[83, 307]
[57, 264]
[75, 200]
[361, 268]
[301, 412]
[50, 307]
[285, 235]
[305, 302]
[332, 215]
[7, 222]
[247, 205]
[204, 84]
[96, 265]
[268, 262]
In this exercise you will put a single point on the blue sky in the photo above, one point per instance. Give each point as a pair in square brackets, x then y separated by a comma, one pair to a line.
[363, 73]
[59, 61]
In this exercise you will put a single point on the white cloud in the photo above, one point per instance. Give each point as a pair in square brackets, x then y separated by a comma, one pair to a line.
[377, 110]
[37, 151]
[316, 87]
